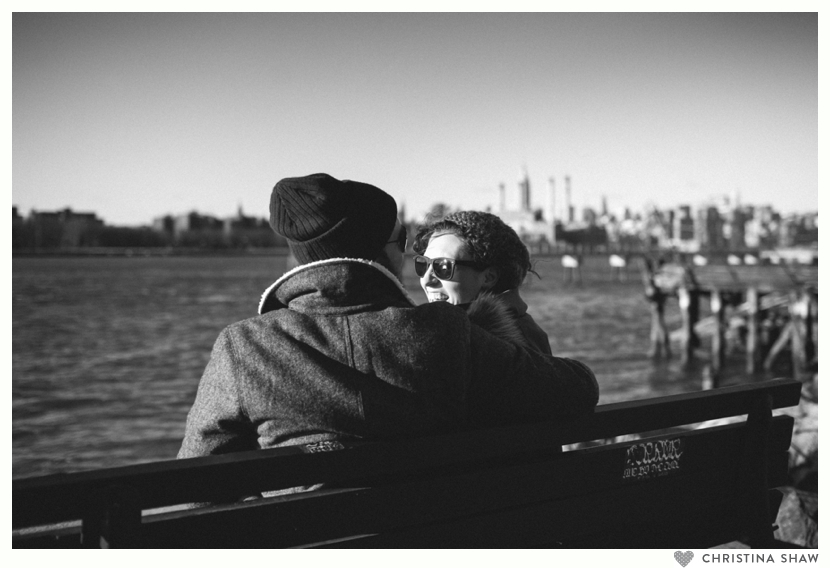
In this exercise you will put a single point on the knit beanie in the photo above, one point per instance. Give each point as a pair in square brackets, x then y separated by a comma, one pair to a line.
[322, 217]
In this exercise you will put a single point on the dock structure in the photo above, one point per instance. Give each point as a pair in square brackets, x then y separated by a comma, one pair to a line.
[757, 293]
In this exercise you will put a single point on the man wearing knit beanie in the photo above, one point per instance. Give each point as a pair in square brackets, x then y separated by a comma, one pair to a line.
[340, 352]
[322, 217]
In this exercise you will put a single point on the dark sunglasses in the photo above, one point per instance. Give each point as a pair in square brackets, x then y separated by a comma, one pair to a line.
[401, 240]
[443, 268]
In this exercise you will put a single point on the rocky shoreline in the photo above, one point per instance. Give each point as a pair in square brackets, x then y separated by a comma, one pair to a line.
[798, 515]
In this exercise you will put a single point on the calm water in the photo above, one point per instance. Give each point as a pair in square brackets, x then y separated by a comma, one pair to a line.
[107, 352]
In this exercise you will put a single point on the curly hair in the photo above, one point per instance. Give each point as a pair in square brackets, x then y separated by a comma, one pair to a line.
[488, 240]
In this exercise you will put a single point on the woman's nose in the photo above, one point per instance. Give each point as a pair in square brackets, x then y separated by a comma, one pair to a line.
[429, 276]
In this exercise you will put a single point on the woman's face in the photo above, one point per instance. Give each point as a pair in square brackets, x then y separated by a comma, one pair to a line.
[466, 281]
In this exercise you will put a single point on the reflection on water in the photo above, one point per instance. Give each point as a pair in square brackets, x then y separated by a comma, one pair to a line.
[107, 352]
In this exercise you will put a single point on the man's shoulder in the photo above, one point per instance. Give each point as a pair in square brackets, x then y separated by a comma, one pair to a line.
[266, 332]
[253, 323]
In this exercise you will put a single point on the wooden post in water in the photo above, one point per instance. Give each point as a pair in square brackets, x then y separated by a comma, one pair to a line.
[618, 266]
[802, 345]
[690, 310]
[659, 337]
[718, 342]
[809, 338]
[660, 340]
[753, 336]
[572, 268]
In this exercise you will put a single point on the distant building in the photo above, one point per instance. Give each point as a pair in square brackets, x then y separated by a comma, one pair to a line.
[243, 231]
[658, 229]
[709, 229]
[239, 223]
[194, 221]
[524, 192]
[668, 221]
[736, 223]
[752, 233]
[195, 229]
[798, 230]
[589, 216]
[683, 232]
[19, 233]
[530, 225]
[762, 229]
[65, 228]
[165, 224]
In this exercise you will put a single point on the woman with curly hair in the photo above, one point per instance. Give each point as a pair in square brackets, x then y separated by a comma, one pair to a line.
[475, 260]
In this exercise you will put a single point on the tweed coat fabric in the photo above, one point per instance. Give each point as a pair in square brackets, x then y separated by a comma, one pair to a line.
[341, 352]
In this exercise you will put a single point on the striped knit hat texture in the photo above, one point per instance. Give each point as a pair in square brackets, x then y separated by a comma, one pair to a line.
[323, 217]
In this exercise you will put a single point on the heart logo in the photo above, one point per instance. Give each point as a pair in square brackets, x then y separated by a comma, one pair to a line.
[683, 558]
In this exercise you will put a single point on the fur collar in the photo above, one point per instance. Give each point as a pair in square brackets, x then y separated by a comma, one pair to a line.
[494, 316]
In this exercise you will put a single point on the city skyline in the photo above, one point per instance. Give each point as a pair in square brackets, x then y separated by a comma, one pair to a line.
[132, 115]
[742, 229]
[560, 215]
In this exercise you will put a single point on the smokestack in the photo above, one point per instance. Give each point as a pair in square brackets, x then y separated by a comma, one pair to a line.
[551, 212]
[551, 217]
[524, 191]
[501, 198]
[568, 206]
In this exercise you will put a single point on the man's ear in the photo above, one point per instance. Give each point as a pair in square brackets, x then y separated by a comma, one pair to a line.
[491, 276]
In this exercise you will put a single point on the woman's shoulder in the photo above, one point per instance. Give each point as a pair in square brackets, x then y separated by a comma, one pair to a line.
[505, 316]
[534, 334]
[496, 317]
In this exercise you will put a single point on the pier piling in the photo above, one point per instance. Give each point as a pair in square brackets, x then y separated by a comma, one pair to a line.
[688, 300]
[660, 343]
[753, 336]
[802, 344]
[718, 338]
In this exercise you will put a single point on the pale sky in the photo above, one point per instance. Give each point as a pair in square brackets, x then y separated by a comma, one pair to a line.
[134, 116]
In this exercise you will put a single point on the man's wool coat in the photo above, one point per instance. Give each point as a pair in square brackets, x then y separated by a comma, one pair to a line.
[341, 352]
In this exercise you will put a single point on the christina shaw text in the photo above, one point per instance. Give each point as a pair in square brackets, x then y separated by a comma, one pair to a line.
[747, 558]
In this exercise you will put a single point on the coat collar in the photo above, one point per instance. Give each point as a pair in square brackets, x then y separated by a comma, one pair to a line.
[512, 299]
[269, 300]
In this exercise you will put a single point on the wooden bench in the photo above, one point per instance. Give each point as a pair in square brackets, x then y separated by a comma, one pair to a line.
[681, 488]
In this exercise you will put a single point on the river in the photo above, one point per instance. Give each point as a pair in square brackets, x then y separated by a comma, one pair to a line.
[107, 352]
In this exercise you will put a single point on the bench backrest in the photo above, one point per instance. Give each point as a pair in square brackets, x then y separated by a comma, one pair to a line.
[503, 487]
